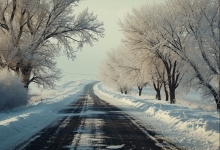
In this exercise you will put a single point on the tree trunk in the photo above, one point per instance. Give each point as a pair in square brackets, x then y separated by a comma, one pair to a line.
[218, 103]
[167, 95]
[218, 107]
[158, 94]
[126, 92]
[157, 88]
[173, 78]
[140, 90]
[172, 96]
[166, 92]
[121, 90]
[25, 75]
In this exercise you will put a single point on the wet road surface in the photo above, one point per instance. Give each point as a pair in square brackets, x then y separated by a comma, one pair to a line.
[90, 123]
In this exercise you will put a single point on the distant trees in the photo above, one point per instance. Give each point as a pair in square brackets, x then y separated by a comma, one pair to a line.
[122, 70]
[109, 73]
[132, 69]
[183, 37]
[33, 33]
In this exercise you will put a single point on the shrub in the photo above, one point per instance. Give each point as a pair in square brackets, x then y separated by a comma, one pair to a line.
[12, 91]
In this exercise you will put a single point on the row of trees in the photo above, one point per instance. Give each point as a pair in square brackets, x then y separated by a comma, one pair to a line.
[33, 33]
[122, 70]
[175, 42]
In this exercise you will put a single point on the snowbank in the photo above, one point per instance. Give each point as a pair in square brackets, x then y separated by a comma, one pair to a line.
[192, 128]
[20, 124]
[12, 91]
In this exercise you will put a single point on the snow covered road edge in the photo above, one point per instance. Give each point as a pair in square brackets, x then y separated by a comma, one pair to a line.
[192, 128]
[20, 124]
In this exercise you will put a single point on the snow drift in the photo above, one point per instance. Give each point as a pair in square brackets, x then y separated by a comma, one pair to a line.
[20, 124]
[12, 91]
[192, 128]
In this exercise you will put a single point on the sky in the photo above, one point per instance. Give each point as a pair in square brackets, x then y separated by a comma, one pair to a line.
[87, 61]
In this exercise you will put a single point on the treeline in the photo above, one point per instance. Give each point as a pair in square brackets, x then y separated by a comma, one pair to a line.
[167, 46]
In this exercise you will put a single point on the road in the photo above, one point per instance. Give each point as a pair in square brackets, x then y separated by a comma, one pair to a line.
[91, 123]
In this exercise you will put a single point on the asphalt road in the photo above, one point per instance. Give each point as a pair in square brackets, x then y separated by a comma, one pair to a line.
[91, 123]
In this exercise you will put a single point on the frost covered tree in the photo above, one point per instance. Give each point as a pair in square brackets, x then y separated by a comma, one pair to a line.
[34, 32]
[11, 90]
[110, 73]
[187, 28]
[140, 79]
[173, 68]
[133, 66]
[162, 63]
[195, 39]
[157, 76]
[123, 69]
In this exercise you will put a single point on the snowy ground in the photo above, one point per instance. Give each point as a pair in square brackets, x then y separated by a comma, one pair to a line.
[191, 123]
[20, 124]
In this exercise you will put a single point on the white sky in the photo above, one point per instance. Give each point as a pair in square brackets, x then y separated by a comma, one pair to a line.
[87, 61]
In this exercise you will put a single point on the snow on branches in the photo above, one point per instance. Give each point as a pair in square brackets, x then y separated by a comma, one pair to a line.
[34, 32]
[183, 36]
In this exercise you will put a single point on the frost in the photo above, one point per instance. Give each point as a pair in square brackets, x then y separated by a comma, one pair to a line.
[115, 146]
[12, 91]
[184, 31]
[192, 128]
[34, 33]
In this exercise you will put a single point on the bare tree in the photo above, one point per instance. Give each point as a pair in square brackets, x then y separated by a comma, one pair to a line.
[158, 75]
[196, 40]
[109, 72]
[174, 72]
[124, 69]
[190, 29]
[157, 87]
[134, 67]
[36, 32]
[137, 38]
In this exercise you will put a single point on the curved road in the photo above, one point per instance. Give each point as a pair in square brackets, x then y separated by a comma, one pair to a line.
[91, 123]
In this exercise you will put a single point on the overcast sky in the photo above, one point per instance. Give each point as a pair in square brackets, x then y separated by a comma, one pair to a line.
[87, 61]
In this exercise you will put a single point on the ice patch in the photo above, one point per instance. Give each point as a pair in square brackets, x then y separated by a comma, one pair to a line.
[115, 146]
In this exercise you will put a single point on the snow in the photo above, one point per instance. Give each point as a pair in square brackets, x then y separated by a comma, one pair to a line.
[190, 126]
[183, 123]
[115, 146]
[89, 131]
[20, 124]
